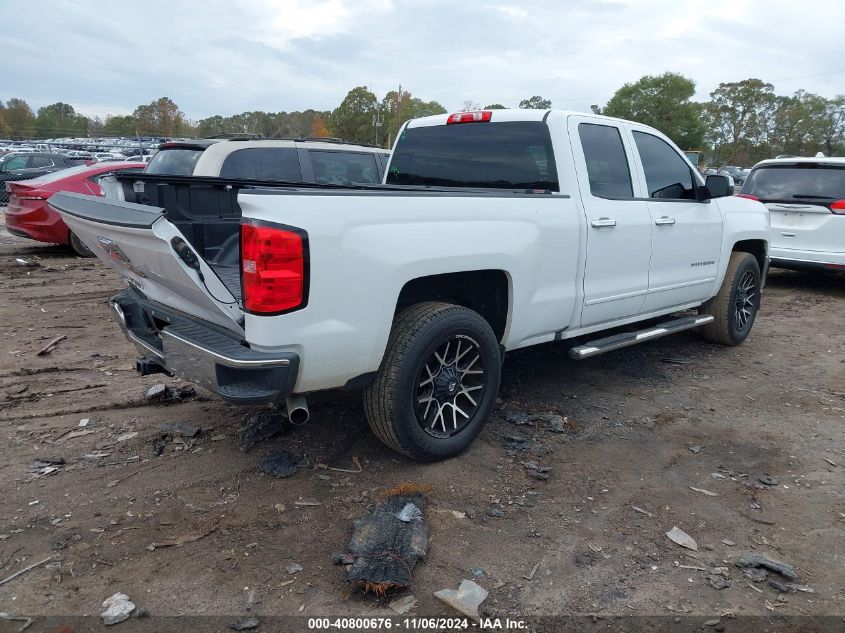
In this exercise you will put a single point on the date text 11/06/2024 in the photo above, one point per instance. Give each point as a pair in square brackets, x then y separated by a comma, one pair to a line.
[415, 623]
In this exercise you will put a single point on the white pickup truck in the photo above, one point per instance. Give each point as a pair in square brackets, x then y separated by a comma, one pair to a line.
[493, 231]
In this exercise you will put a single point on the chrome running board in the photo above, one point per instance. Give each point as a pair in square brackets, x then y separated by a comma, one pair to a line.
[626, 339]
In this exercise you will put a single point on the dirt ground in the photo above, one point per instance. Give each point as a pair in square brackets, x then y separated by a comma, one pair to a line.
[643, 427]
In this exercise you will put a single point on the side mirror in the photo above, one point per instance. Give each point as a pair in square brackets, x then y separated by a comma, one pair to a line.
[719, 186]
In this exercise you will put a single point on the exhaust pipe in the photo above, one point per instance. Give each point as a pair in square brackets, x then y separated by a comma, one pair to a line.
[298, 413]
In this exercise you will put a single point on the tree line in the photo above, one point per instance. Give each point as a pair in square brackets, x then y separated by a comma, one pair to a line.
[162, 117]
[743, 122]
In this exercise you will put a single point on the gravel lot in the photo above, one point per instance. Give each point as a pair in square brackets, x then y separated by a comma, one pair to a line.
[643, 427]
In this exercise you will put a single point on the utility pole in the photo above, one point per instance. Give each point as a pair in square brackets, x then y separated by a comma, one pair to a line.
[398, 116]
[377, 121]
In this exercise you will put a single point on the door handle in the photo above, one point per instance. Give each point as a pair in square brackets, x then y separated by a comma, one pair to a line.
[664, 221]
[603, 223]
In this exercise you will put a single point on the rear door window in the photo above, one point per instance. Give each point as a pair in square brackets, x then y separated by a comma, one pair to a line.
[607, 165]
[14, 163]
[39, 162]
[263, 163]
[179, 161]
[800, 181]
[507, 155]
[667, 174]
[344, 168]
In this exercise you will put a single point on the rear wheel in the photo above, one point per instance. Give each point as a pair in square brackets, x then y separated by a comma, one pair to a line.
[78, 247]
[437, 382]
[735, 307]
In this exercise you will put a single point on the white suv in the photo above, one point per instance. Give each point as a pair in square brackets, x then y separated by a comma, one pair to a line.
[806, 201]
[323, 161]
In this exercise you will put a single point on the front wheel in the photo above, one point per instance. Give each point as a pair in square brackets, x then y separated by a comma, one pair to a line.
[437, 382]
[735, 306]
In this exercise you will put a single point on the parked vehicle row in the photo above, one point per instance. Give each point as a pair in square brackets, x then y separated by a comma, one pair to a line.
[122, 145]
[28, 214]
[736, 174]
[23, 166]
[494, 231]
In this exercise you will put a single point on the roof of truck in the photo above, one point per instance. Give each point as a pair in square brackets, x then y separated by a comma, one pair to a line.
[512, 114]
[796, 160]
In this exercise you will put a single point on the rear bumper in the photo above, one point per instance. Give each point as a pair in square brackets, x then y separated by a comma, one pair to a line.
[202, 353]
[807, 260]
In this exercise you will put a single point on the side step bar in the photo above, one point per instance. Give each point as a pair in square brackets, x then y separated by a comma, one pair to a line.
[626, 339]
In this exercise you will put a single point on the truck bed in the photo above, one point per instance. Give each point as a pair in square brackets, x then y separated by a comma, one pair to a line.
[231, 278]
[206, 211]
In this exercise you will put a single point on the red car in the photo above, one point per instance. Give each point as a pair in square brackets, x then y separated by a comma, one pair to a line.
[28, 214]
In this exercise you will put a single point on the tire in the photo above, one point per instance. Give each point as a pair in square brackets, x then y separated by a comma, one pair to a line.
[735, 306]
[426, 366]
[78, 247]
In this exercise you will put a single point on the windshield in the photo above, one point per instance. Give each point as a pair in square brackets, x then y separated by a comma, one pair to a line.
[179, 161]
[803, 181]
[509, 155]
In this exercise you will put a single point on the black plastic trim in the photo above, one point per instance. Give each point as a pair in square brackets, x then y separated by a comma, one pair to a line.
[416, 190]
[650, 199]
[268, 187]
[792, 264]
[360, 382]
[18, 233]
[113, 212]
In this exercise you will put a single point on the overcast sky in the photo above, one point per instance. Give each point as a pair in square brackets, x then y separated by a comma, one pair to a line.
[216, 57]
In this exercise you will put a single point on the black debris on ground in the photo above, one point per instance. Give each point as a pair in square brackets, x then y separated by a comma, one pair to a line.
[535, 470]
[756, 574]
[517, 418]
[259, 428]
[244, 624]
[757, 560]
[162, 394]
[180, 428]
[388, 542]
[281, 464]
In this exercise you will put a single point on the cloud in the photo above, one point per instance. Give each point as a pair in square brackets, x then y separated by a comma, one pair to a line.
[215, 57]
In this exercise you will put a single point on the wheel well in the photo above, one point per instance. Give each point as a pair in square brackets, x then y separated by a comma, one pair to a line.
[754, 247]
[485, 291]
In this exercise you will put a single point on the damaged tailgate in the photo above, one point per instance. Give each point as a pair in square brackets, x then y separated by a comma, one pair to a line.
[152, 255]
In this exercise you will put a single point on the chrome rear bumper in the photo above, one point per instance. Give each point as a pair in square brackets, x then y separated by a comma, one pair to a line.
[197, 352]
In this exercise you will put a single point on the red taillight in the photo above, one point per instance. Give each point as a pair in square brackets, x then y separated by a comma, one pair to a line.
[23, 192]
[747, 195]
[273, 269]
[838, 207]
[479, 116]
